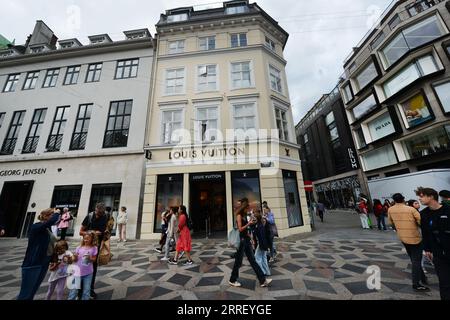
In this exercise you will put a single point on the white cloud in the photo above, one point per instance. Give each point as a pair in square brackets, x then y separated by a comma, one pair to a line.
[322, 32]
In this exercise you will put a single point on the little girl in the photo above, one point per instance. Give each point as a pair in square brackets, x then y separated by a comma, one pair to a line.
[58, 266]
[85, 256]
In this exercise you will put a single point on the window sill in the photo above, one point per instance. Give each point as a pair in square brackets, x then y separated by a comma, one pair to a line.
[243, 88]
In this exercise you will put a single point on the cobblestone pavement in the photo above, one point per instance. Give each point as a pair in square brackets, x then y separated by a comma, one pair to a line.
[330, 263]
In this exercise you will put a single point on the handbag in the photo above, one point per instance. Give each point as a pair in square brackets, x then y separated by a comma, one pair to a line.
[274, 230]
[234, 238]
[104, 256]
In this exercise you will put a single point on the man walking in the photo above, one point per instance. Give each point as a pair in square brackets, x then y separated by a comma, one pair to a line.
[436, 230]
[406, 220]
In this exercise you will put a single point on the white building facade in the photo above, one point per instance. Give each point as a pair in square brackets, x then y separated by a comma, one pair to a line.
[72, 126]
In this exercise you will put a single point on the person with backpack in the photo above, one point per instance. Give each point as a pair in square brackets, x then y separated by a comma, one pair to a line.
[97, 222]
[184, 242]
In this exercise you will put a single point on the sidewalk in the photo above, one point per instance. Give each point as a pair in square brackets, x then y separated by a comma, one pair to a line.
[327, 264]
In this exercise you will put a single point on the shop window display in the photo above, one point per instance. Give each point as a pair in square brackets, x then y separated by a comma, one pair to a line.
[428, 143]
[415, 111]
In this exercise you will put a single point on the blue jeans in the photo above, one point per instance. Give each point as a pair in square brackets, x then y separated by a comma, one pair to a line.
[261, 260]
[32, 278]
[86, 285]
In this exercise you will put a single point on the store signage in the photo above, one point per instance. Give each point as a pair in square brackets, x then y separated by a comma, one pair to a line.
[206, 153]
[352, 157]
[208, 176]
[22, 173]
[381, 127]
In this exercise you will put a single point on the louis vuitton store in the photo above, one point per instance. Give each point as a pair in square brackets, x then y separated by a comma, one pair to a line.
[212, 187]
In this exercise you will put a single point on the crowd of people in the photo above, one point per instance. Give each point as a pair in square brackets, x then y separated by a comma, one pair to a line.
[425, 233]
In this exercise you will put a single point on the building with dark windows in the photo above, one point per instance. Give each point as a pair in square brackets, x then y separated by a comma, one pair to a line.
[72, 125]
[224, 121]
[396, 90]
[330, 164]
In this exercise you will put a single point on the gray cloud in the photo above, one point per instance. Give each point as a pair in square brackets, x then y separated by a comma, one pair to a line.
[322, 32]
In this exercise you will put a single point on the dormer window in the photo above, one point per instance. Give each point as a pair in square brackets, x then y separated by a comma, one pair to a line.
[178, 17]
[69, 43]
[137, 34]
[104, 38]
[236, 9]
[37, 49]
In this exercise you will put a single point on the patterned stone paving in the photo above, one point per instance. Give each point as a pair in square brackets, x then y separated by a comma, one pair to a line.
[328, 264]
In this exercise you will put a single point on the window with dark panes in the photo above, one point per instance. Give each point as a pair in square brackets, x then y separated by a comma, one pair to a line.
[94, 72]
[127, 69]
[11, 137]
[360, 140]
[365, 107]
[31, 80]
[58, 127]
[377, 41]
[51, 78]
[238, 40]
[34, 132]
[72, 75]
[80, 132]
[11, 83]
[395, 21]
[117, 130]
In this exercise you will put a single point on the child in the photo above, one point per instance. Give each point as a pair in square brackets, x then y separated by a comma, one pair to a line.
[85, 256]
[61, 260]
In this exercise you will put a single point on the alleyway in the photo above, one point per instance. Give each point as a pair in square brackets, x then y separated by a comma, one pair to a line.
[327, 264]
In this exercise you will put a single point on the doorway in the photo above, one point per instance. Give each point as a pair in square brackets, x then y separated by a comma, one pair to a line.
[207, 208]
[14, 204]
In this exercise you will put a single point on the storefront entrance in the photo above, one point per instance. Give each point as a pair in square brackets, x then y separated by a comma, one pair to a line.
[13, 204]
[207, 205]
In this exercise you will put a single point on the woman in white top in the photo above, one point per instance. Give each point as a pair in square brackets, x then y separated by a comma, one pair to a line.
[122, 220]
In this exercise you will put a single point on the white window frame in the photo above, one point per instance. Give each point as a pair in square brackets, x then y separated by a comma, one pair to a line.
[174, 108]
[178, 49]
[270, 44]
[252, 75]
[284, 108]
[166, 71]
[197, 82]
[239, 34]
[241, 102]
[178, 17]
[197, 133]
[31, 85]
[206, 38]
[272, 68]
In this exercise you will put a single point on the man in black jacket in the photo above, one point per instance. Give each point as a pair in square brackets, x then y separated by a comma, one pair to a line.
[435, 225]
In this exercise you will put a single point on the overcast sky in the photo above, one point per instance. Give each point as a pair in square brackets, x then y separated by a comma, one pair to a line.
[322, 32]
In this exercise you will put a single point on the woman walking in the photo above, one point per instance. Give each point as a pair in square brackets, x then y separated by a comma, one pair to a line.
[122, 220]
[245, 246]
[39, 252]
[184, 242]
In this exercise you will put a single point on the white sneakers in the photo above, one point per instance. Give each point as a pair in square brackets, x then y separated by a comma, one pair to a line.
[237, 284]
[234, 284]
[164, 259]
[266, 283]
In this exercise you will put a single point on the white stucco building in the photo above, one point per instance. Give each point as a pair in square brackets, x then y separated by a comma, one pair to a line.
[72, 125]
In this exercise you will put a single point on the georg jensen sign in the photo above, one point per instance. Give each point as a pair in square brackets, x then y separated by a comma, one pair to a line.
[22, 173]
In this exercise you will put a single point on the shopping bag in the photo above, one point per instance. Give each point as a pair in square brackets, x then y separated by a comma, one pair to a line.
[234, 238]
[369, 221]
[104, 256]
